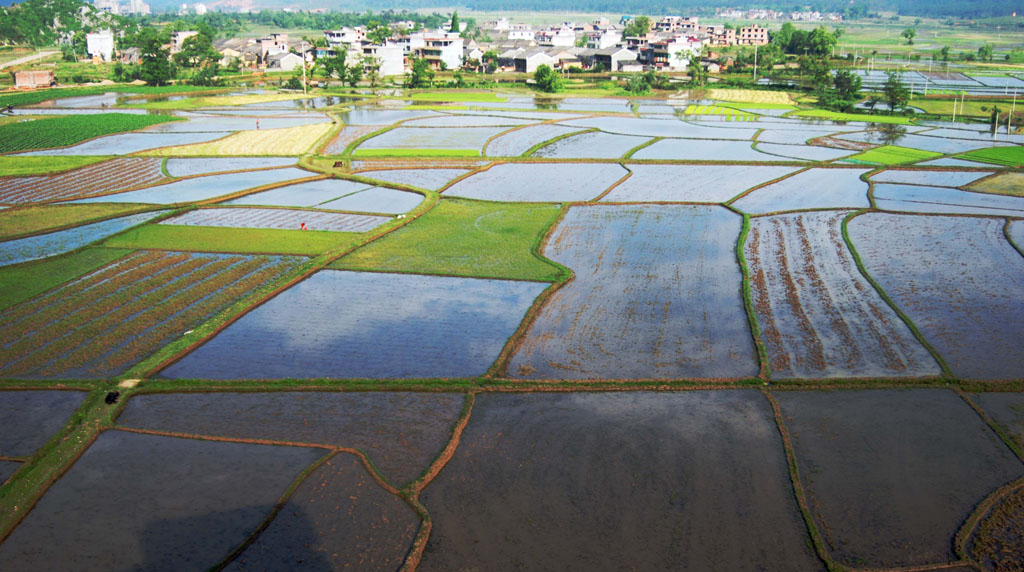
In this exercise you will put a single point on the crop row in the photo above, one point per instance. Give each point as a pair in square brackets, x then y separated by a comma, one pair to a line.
[122, 317]
[114, 175]
[71, 129]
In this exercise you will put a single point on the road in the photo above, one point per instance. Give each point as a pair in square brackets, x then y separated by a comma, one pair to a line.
[27, 59]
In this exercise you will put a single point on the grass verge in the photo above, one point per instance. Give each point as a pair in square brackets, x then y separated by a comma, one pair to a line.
[462, 237]
[237, 240]
[1010, 184]
[71, 129]
[23, 281]
[837, 116]
[24, 166]
[35, 219]
[1006, 156]
[748, 303]
[891, 155]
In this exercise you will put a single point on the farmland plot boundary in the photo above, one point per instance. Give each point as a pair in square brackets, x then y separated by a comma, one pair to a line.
[748, 303]
[1009, 236]
[946, 372]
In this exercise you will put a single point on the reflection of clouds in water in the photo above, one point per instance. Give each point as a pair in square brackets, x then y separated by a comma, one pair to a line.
[353, 324]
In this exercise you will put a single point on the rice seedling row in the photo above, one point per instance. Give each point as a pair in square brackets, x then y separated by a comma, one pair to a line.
[277, 218]
[70, 129]
[109, 176]
[819, 316]
[126, 316]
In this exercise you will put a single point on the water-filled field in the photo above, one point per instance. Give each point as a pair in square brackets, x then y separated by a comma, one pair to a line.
[537, 333]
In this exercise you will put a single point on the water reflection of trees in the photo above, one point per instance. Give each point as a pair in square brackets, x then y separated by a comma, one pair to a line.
[889, 133]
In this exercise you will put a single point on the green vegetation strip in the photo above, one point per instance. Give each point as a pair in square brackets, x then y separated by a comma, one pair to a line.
[463, 237]
[748, 303]
[71, 129]
[798, 489]
[891, 155]
[878, 288]
[22, 166]
[237, 240]
[837, 116]
[18, 222]
[1006, 156]
[416, 153]
[39, 96]
[24, 281]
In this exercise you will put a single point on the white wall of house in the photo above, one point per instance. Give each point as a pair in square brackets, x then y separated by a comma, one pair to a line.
[100, 44]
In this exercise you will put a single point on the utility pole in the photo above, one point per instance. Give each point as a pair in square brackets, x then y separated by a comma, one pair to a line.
[1012, 108]
[302, 49]
[755, 63]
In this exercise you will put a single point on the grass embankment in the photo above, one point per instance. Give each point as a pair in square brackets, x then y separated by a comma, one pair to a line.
[41, 95]
[730, 112]
[1011, 184]
[236, 240]
[416, 153]
[1005, 156]
[20, 221]
[892, 155]
[71, 129]
[270, 142]
[837, 116]
[23, 281]
[24, 166]
[465, 238]
[967, 108]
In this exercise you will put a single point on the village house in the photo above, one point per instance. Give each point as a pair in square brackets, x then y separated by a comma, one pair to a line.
[34, 79]
[752, 36]
[100, 45]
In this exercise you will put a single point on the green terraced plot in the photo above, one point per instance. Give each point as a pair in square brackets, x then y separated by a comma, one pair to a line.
[241, 240]
[892, 155]
[22, 166]
[71, 129]
[1007, 156]
[465, 238]
[868, 118]
[23, 281]
[16, 222]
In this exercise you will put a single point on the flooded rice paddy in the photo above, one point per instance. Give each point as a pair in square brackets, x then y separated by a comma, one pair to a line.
[179, 409]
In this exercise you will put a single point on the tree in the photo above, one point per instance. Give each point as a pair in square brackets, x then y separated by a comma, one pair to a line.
[491, 60]
[909, 34]
[207, 75]
[944, 53]
[636, 85]
[455, 22]
[196, 51]
[547, 79]
[638, 26]
[783, 36]
[336, 65]
[420, 74]
[985, 53]
[379, 34]
[156, 67]
[698, 74]
[845, 92]
[355, 74]
[372, 67]
[895, 94]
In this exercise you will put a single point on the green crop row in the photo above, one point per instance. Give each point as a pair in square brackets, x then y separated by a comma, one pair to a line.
[71, 129]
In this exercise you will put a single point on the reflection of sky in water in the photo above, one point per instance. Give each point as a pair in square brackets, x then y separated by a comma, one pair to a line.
[515, 143]
[472, 138]
[539, 182]
[806, 152]
[214, 123]
[302, 195]
[351, 324]
[938, 178]
[596, 145]
[29, 418]
[467, 121]
[815, 188]
[381, 116]
[703, 150]
[432, 179]
[923, 142]
[184, 167]
[691, 183]
[663, 128]
[913, 198]
[43, 245]
[128, 143]
[377, 200]
[201, 188]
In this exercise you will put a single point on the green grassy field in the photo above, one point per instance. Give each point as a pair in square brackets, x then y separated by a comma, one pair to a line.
[465, 238]
[23, 281]
[892, 155]
[1006, 156]
[1011, 184]
[24, 166]
[239, 240]
[15, 222]
[71, 129]
[30, 97]
[969, 108]
[836, 116]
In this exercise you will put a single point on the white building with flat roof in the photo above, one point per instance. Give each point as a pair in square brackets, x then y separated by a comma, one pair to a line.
[100, 45]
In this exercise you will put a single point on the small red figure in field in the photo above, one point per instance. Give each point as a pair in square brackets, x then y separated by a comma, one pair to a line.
[303, 226]
[257, 125]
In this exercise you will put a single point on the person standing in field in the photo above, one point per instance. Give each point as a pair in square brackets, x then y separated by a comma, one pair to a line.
[303, 226]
